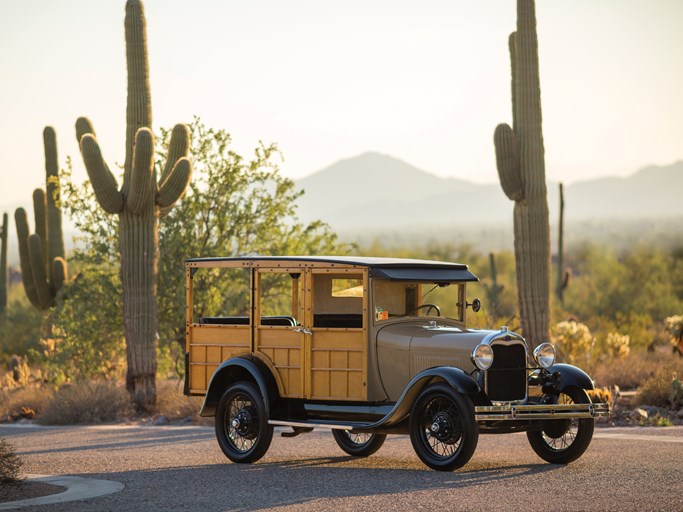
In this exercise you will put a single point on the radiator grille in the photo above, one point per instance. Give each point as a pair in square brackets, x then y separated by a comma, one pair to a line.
[507, 377]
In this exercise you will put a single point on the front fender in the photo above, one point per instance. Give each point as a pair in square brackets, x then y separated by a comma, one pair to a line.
[234, 370]
[454, 377]
[570, 376]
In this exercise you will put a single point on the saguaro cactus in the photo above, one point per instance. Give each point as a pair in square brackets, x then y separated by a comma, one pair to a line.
[3, 265]
[138, 203]
[521, 168]
[43, 267]
[563, 274]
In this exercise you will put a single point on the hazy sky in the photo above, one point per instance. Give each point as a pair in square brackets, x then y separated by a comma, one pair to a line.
[425, 81]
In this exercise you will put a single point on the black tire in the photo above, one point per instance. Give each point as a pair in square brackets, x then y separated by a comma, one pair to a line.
[443, 430]
[358, 445]
[242, 427]
[564, 441]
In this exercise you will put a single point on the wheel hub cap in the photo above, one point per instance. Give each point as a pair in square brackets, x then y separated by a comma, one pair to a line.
[243, 423]
[442, 429]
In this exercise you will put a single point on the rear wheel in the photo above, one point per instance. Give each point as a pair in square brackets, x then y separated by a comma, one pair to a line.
[358, 445]
[443, 430]
[242, 427]
[563, 441]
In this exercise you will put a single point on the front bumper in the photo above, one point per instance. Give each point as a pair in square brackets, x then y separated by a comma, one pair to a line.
[539, 412]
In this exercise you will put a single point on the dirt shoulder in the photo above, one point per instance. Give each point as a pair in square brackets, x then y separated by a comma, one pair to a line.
[26, 490]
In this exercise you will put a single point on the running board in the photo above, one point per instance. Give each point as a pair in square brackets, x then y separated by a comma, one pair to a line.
[314, 424]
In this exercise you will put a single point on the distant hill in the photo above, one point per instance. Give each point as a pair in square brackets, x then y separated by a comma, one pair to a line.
[374, 191]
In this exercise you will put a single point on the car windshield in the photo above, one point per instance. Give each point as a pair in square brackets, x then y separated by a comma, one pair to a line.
[403, 298]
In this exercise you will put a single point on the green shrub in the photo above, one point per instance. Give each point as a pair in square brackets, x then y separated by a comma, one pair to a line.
[86, 402]
[659, 389]
[573, 341]
[10, 463]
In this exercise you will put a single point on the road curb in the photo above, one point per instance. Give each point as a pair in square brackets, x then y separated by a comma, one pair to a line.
[77, 488]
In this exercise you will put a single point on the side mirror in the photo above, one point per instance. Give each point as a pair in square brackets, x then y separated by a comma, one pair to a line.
[476, 305]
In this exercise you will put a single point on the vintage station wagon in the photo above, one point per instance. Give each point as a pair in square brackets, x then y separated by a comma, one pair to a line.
[368, 347]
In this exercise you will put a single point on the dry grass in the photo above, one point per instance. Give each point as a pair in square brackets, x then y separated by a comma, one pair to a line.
[173, 404]
[26, 402]
[87, 402]
[658, 389]
[636, 369]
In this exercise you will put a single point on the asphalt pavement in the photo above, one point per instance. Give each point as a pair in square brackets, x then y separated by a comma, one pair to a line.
[182, 468]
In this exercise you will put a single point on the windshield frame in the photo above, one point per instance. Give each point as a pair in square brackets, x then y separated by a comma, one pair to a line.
[391, 292]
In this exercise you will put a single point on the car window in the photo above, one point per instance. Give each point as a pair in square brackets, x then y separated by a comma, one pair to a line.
[399, 298]
[338, 301]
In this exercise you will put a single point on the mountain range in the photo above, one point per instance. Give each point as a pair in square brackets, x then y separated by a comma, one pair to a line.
[375, 191]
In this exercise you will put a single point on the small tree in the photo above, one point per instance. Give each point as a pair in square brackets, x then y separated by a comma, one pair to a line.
[233, 206]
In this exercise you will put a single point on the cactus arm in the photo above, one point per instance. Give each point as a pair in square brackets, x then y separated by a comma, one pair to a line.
[103, 182]
[142, 186]
[178, 148]
[3, 265]
[35, 254]
[139, 99]
[83, 126]
[59, 274]
[507, 162]
[512, 45]
[175, 186]
[40, 216]
[55, 237]
[21, 220]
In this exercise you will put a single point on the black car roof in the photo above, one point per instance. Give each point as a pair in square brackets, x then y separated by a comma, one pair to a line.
[400, 269]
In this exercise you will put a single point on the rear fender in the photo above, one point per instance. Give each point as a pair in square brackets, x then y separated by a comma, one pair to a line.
[235, 370]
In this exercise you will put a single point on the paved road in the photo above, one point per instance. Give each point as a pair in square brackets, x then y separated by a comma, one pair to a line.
[182, 468]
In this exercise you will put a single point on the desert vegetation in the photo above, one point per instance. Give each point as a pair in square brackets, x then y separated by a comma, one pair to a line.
[106, 341]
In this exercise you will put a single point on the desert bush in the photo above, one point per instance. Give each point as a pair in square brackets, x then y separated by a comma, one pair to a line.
[602, 395]
[172, 403]
[661, 389]
[86, 402]
[19, 327]
[617, 345]
[573, 340]
[85, 338]
[674, 327]
[10, 463]
[26, 402]
[631, 371]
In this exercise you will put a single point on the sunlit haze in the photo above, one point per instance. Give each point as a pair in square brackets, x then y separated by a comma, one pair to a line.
[426, 82]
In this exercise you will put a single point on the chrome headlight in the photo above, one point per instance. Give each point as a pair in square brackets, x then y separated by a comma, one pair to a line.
[482, 357]
[544, 355]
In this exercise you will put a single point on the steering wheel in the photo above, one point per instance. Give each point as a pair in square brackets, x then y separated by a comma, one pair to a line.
[428, 306]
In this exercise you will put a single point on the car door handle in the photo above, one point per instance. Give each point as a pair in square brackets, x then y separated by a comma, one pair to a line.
[302, 329]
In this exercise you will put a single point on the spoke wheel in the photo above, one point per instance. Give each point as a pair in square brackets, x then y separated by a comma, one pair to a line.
[563, 441]
[358, 444]
[442, 428]
[242, 426]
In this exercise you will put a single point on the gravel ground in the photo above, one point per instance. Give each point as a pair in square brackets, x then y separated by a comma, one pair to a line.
[182, 468]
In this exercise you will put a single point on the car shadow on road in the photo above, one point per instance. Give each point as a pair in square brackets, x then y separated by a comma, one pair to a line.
[272, 484]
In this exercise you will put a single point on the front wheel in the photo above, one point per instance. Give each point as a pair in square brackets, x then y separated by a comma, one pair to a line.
[358, 445]
[443, 430]
[563, 441]
[242, 427]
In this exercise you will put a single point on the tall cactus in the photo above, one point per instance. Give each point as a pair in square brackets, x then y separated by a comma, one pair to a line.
[138, 203]
[3, 265]
[43, 267]
[521, 168]
[563, 274]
